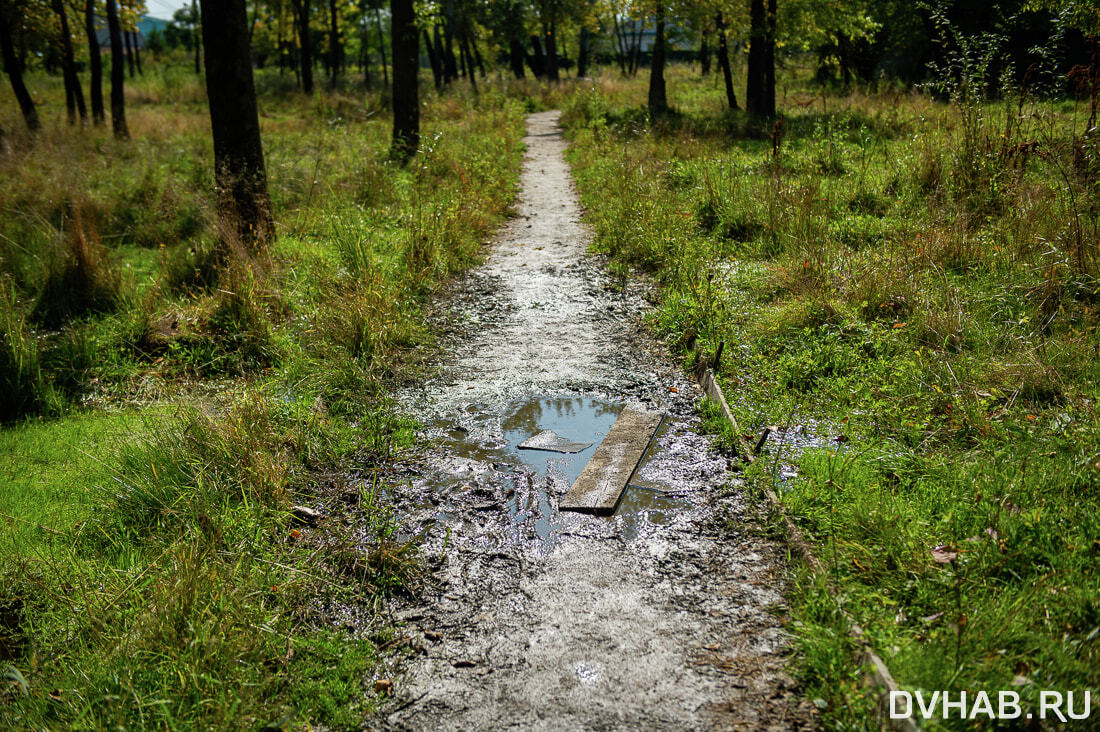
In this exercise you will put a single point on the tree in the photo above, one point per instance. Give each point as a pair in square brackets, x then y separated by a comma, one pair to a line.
[333, 43]
[128, 45]
[195, 31]
[74, 95]
[724, 59]
[658, 101]
[406, 62]
[8, 18]
[235, 122]
[95, 64]
[760, 81]
[118, 72]
[305, 45]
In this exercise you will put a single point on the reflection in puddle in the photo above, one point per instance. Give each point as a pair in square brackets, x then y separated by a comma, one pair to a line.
[532, 481]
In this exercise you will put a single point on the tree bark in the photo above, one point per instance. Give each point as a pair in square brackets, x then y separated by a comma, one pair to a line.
[95, 64]
[441, 53]
[552, 52]
[582, 54]
[118, 74]
[769, 61]
[197, 35]
[137, 55]
[759, 92]
[724, 60]
[333, 44]
[382, 45]
[516, 57]
[127, 41]
[434, 61]
[658, 101]
[235, 123]
[305, 47]
[450, 64]
[636, 46]
[14, 68]
[477, 59]
[620, 45]
[406, 98]
[469, 61]
[74, 95]
[704, 55]
[538, 58]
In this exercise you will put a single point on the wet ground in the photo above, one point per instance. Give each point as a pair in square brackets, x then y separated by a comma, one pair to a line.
[666, 615]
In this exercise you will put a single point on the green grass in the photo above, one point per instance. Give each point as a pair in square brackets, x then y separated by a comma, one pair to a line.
[165, 406]
[52, 472]
[893, 277]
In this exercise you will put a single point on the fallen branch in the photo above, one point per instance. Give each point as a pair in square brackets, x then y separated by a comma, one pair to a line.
[877, 674]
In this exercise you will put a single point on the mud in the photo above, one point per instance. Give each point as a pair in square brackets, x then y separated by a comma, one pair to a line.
[666, 615]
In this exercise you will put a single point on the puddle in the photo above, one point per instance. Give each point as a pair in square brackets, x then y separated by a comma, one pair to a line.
[485, 436]
[485, 447]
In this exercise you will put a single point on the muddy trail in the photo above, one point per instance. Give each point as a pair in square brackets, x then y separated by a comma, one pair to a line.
[666, 615]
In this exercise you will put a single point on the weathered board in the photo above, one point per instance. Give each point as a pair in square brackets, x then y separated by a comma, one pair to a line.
[601, 483]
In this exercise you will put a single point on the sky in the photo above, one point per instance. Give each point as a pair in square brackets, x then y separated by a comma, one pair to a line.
[164, 8]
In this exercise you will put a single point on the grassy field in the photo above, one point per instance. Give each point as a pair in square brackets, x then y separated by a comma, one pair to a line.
[166, 404]
[911, 285]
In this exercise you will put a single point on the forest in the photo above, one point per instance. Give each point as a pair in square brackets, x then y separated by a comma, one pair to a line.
[250, 456]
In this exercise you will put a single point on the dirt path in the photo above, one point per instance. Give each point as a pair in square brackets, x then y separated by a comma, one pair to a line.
[663, 616]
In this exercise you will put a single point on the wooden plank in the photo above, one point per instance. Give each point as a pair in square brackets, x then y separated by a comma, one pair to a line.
[602, 482]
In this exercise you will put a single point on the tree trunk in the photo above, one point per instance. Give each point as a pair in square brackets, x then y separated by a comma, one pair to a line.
[658, 102]
[127, 40]
[552, 52]
[463, 70]
[14, 68]
[406, 62]
[434, 61]
[95, 64]
[382, 44]
[469, 62]
[477, 59]
[704, 55]
[516, 57]
[305, 47]
[73, 91]
[333, 44]
[450, 64]
[769, 61]
[445, 62]
[582, 54]
[724, 60]
[137, 55]
[759, 94]
[620, 44]
[636, 47]
[195, 32]
[538, 58]
[118, 74]
[235, 123]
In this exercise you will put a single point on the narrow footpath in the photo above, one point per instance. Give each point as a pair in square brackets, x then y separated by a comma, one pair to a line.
[667, 615]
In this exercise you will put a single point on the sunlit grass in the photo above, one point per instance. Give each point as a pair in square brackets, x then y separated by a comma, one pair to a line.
[937, 338]
[152, 574]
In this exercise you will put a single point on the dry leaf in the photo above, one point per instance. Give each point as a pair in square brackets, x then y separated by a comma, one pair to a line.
[944, 554]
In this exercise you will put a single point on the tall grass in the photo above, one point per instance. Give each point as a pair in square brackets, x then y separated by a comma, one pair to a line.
[900, 277]
[162, 581]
